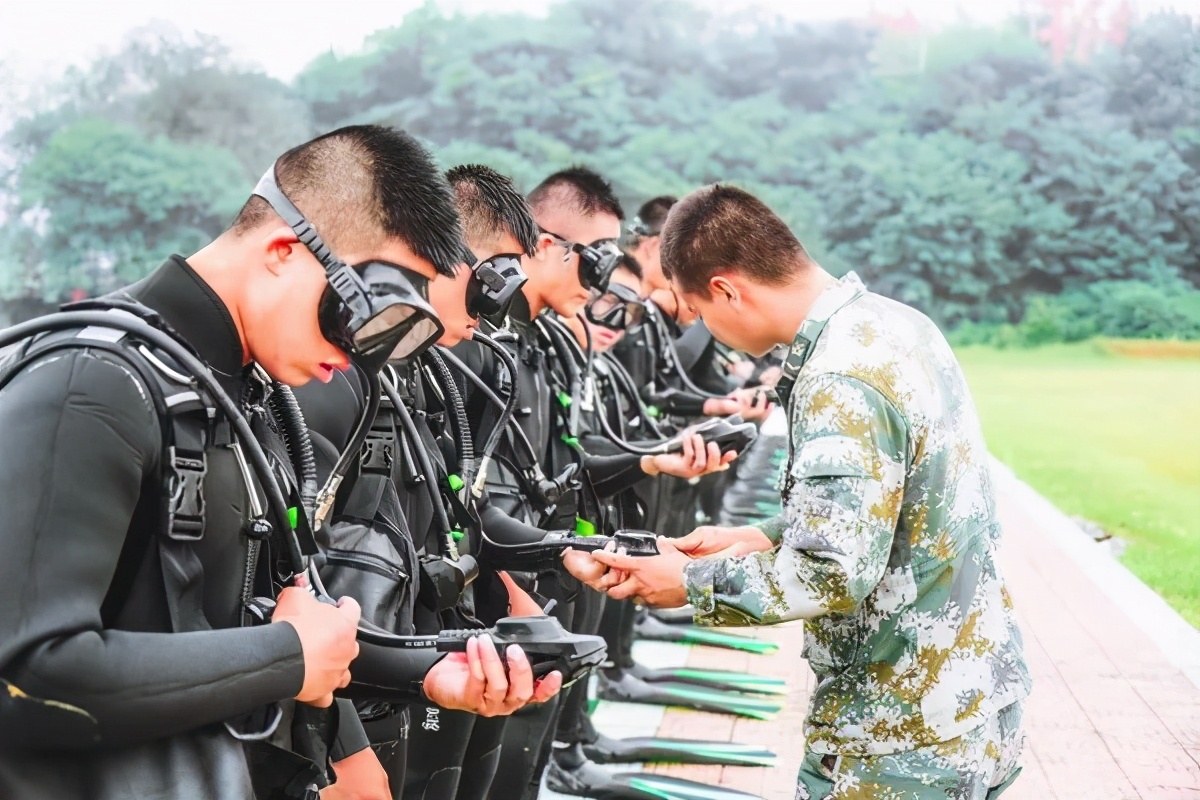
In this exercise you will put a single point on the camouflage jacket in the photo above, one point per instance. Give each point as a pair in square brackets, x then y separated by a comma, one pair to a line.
[886, 544]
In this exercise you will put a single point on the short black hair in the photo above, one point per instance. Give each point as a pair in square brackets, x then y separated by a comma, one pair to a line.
[580, 189]
[651, 217]
[631, 264]
[720, 228]
[363, 184]
[490, 205]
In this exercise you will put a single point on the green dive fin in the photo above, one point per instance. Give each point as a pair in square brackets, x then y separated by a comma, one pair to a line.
[625, 687]
[649, 750]
[723, 680]
[664, 787]
[655, 630]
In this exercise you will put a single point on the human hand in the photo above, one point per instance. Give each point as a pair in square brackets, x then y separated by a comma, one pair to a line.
[770, 376]
[327, 639]
[741, 369]
[656, 581]
[359, 777]
[476, 680]
[696, 459]
[721, 406]
[753, 404]
[584, 568]
[520, 604]
[710, 540]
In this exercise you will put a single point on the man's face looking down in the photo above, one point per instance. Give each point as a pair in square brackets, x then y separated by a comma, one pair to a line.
[448, 296]
[279, 313]
[726, 311]
[554, 269]
[604, 338]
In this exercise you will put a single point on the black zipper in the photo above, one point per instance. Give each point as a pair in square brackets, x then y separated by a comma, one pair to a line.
[371, 563]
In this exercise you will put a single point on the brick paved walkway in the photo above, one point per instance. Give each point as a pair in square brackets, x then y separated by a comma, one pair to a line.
[1114, 714]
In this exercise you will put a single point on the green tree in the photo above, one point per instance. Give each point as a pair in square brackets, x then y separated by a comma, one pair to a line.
[938, 220]
[105, 202]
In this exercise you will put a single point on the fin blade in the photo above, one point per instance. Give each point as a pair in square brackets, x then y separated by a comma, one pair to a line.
[691, 696]
[655, 630]
[718, 679]
[666, 787]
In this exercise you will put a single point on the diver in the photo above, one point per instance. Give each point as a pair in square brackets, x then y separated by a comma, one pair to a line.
[540, 479]
[391, 543]
[666, 356]
[137, 542]
[614, 421]
[454, 754]
[673, 356]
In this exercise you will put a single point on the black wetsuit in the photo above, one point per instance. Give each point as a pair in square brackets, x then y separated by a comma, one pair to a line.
[512, 511]
[381, 488]
[602, 396]
[452, 754]
[85, 618]
[700, 356]
[648, 356]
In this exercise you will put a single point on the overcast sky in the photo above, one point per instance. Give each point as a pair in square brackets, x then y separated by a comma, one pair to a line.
[40, 38]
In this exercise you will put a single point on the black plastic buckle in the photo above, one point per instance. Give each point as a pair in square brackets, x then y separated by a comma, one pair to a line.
[185, 495]
[378, 452]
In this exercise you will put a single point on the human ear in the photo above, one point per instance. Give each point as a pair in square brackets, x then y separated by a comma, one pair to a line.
[278, 247]
[720, 286]
[544, 242]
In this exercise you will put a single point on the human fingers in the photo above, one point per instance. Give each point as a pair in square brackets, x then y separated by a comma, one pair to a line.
[547, 687]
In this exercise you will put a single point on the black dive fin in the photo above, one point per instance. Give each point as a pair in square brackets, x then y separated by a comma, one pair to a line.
[648, 750]
[588, 780]
[625, 687]
[722, 680]
[655, 630]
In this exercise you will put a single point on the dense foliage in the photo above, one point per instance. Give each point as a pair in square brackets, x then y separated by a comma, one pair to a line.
[963, 172]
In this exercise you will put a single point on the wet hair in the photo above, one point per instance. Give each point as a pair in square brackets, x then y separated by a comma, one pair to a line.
[489, 206]
[578, 189]
[650, 218]
[721, 228]
[362, 185]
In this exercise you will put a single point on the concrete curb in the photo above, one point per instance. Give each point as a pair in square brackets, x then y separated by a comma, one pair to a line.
[1175, 637]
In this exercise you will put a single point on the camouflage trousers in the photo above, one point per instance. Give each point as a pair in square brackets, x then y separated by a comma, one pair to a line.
[978, 765]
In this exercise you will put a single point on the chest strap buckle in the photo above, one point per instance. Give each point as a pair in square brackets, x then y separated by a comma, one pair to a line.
[185, 489]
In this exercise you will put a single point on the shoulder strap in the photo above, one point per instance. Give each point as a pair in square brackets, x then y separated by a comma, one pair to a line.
[187, 421]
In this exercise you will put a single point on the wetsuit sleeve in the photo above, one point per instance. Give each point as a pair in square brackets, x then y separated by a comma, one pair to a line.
[502, 528]
[391, 674]
[613, 474]
[81, 443]
[675, 403]
[839, 519]
[351, 736]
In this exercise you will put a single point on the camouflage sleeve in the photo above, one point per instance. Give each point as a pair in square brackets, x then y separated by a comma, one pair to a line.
[772, 528]
[847, 485]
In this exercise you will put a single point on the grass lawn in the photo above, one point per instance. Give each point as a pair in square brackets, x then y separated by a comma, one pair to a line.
[1109, 437]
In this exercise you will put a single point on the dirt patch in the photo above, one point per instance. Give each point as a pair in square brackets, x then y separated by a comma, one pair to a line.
[1151, 348]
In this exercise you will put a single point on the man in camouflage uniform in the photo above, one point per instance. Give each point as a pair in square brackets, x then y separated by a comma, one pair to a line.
[886, 544]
